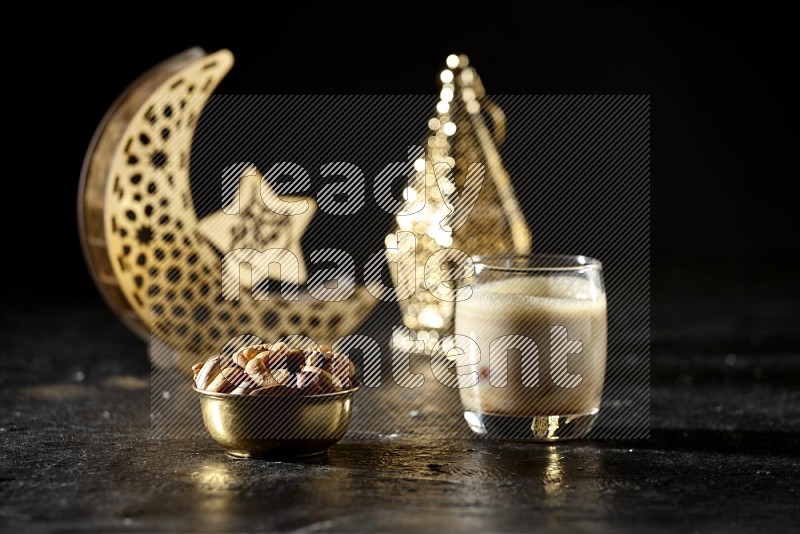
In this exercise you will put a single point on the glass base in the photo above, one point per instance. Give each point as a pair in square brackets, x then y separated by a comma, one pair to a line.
[536, 428]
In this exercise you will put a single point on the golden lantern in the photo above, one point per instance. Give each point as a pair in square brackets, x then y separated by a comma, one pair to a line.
[463, 140]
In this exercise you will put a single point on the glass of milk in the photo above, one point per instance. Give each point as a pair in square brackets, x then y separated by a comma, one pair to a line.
[535, 367]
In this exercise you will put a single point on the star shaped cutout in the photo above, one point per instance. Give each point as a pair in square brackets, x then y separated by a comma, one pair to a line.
[255, 225]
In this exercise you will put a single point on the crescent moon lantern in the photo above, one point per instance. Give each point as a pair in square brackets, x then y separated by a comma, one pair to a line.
[156, 264]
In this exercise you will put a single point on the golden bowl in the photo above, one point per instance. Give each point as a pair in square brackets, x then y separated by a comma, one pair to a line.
[266, 427]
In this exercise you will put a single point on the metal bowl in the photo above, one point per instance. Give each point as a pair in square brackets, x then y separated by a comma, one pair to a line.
[266, 427]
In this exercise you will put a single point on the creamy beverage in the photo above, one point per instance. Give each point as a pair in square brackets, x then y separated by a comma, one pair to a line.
[561, 375]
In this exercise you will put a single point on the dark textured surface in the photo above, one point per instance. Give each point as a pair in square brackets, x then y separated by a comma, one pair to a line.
[724, 452]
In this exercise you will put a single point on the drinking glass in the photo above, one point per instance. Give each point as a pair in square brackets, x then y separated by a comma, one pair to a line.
[535, 367]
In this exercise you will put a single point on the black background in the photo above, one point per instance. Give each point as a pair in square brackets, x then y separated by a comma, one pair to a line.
[723, 123]
[75, 454]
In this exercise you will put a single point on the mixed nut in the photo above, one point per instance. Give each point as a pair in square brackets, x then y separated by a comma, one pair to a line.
[276, 370]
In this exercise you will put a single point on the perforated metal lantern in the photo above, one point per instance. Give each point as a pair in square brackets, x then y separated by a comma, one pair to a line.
[466, 128]
[155, 262]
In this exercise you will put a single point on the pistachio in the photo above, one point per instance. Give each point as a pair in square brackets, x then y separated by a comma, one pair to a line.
[281, 376]
[316, 359]
[220, 385]
[291, 359]
[259, 372]
[237, 377]
[196, 369]
[279, 346]
[343, 369]
[208, 372]
[242, 390]
[310, 383]
[245, 355]
[276, 371]
[320, 379]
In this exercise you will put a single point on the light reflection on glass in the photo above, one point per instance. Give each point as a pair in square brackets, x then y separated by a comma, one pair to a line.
[553, 472]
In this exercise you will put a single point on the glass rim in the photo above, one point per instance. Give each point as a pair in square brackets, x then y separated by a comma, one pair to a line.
[558, 262]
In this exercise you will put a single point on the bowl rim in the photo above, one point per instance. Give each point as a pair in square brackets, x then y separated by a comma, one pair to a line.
[217, 395]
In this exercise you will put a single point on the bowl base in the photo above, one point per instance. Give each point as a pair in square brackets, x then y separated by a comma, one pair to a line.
[306, 449]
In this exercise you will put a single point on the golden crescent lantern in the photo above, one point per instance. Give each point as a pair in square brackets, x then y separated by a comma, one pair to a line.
[157, 265]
